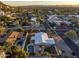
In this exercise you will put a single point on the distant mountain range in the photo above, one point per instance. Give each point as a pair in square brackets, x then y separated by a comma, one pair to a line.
[2, 6]
[5, 7]
[49, 6]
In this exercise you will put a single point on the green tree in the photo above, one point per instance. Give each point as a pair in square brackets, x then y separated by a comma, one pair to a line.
[2, 30]
[17, 52]
[71, 34]
[46, 54]
[5, 18]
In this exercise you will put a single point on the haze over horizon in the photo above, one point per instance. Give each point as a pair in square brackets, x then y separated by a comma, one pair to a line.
[27, 3]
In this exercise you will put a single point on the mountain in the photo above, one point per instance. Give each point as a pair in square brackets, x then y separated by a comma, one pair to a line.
[1, 4]
[5, 7]
[49, 6]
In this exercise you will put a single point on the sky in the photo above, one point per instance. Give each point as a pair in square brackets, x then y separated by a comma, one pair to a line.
[53, 2]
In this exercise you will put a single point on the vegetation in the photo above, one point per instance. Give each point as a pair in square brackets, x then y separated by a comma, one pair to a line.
[5, 18]
[48, 49]
[23, 18]
[46, 54]
[2, 30]
[71, 34]
[32, 54]
[15, 51]
[77, 25]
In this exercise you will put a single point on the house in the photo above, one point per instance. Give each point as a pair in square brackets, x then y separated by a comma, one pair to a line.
[59, 22]
[2, 54]
[57, 19]
[71, 16]
[42, 38]
[51, 18]
[33, 19]
[11, 24]
[39, 42]
[12, 38]
[77, 16]
[63, 17]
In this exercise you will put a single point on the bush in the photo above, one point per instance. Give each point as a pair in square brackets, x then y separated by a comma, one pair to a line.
[21, 54]
[17, 52]
[71, 34]
[48, 49]
[32, 54]
[46, 54]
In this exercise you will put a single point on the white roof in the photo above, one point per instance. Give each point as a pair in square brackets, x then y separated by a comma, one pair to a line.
[33, 19]
[77, 16]
[32, 38]
[52, 18]
[50, 41]
[41, 38]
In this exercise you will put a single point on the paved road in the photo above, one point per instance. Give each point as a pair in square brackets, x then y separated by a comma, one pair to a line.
[27, 28]
[37, 28]
[71, 45]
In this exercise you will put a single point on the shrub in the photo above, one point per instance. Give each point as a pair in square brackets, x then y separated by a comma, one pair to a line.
[46, 54]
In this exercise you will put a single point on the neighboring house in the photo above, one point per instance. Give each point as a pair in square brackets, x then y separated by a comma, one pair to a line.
[77, 16]
[51, 18]
[12, 38]
[33, 19]
[2, 54]
[63, 17]
[57, 20]
[71, 16]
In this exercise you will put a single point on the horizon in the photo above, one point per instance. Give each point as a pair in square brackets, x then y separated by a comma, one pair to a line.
[28, 3]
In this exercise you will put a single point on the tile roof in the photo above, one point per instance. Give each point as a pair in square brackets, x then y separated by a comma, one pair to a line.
[12, 38]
